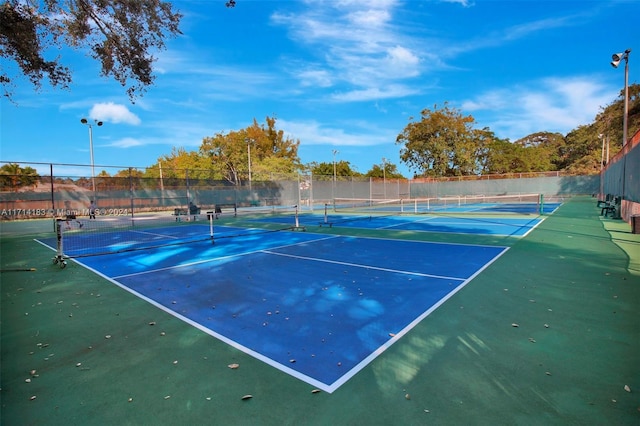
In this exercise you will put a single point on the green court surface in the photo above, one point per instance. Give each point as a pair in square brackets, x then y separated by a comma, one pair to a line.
[549, 334]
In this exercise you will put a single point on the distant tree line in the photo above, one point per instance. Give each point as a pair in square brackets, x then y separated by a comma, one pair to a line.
[444, 142]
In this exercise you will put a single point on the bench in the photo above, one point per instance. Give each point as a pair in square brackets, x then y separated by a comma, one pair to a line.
[186, 212]
[610, 205]
[608, 208]
[218, 208]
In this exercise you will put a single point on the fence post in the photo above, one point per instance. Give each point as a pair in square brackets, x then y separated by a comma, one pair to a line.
[131, 191]
[186, 175]
[53, 198]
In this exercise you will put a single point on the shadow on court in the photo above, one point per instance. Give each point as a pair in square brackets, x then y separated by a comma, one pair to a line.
[547, 334]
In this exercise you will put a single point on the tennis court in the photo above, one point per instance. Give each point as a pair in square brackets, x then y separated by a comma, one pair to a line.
[516, 227]
[317, 307]
[170, 328]
[480, 218]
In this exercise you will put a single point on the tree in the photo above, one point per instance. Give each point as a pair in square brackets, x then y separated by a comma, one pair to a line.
[176, 165]
[271, 151]
[325, 171]
[442, 143]
[548, 148]
[500, 157]
[390, 171]
[228, 154]
[582, 150]
[609, 120]
[13, 176]
[121, 34]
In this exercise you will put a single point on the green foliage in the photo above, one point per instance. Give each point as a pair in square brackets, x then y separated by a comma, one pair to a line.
[13, 176]
[389, 171]
[123, 35]
[326, 170]
[258, 147]
[129, 173]
[225, 156]
[609, 121]
[442, 143]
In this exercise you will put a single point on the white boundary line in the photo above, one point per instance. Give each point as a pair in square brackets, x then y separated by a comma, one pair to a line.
[184, 265]
[329, 388]
[358, 265]
[362, 364]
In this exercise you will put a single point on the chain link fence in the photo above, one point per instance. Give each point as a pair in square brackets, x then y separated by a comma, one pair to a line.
[620, 179]
[36, 190]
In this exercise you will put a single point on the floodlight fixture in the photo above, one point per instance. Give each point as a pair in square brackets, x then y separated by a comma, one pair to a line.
[93, 175]
[617, 58]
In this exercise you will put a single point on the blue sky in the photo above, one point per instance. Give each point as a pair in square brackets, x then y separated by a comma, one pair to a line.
[340, 75]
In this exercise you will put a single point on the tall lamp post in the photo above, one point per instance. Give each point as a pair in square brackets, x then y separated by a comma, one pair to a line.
[249, 156]
[335, 151]
[384, 177]
[93, 174]
[616, 59]
[601, 136]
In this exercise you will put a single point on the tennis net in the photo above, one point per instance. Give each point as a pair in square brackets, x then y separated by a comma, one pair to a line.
[110, 235]
[463, 204]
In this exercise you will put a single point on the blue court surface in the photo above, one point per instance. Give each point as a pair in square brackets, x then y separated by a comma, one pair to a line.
[503, 226]
[318, 307]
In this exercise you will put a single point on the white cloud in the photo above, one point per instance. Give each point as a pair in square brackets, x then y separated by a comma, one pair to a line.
[403, 61]
[553, 104]
[315, 77]
[314, 133]
[126, 143]
[463, 3]
[375, 93]
[113, 113]
[360, 47]
[369, 18]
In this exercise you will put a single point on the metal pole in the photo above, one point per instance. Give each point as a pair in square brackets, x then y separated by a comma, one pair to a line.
[602, 154]
[132, 192]
[53, 198]
[93, 172]
[249, 154]
[626, 100]
[161, 184]
[384, 177]
[333, 187]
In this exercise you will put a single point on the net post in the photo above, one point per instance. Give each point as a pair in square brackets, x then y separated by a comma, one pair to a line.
[59, 250]
[60, 258]
[210, 216]
[326, 217]
[297, 227]
[541, 204]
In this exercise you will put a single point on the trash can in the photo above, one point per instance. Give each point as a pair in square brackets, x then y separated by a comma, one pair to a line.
[635, 224]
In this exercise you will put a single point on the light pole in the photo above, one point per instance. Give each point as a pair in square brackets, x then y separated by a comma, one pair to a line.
[249, 156]
[335, 151]
[93, 174]
[249, 141]
[601, 136]
[384, 177]
[616, 58]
